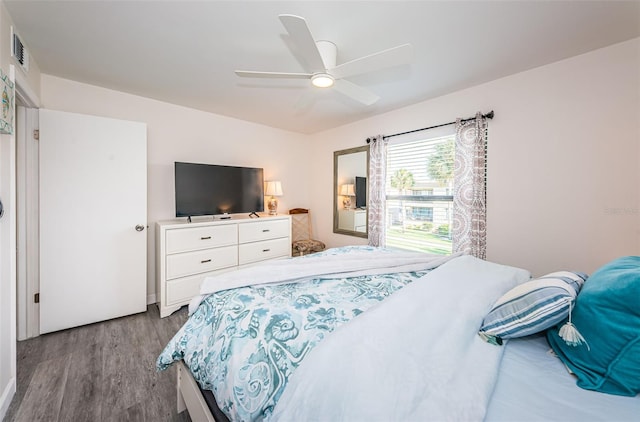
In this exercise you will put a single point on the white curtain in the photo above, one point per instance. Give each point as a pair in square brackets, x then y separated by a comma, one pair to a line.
[469, 229]
[377, 194]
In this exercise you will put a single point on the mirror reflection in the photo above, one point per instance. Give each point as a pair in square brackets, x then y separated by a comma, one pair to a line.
[350, 172]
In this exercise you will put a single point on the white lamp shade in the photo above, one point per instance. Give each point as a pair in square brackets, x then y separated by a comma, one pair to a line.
[347, 190]
[273, 188]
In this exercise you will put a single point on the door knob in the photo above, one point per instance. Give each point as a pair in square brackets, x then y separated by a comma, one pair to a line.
[139, 227]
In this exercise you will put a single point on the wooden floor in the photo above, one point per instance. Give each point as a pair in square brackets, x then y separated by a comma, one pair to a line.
[99, 372]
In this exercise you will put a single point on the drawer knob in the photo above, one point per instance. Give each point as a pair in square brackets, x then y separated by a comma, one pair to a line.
[265, 230]
[205, 261]
[266, 250]
[205, 238]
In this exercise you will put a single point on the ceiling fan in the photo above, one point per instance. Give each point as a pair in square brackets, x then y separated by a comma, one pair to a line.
[320, 62]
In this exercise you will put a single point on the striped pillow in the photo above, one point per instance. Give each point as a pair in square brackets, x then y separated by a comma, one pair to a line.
[532, 307]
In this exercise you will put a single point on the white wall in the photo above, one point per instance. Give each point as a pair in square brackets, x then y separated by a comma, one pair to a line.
[177, 133]
[352, 165]
[564, 159]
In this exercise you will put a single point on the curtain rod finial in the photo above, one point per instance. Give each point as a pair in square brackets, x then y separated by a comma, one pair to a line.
[489, 115]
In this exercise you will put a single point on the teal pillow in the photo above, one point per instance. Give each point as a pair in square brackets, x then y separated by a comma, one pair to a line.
[607, 315]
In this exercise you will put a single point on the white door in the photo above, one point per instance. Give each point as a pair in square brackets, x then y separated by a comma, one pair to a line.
[93, 212]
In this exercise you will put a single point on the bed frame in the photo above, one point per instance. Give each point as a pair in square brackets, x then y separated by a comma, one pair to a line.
[190, 398]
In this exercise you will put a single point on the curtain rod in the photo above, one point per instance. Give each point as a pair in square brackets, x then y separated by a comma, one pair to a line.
[489, 115]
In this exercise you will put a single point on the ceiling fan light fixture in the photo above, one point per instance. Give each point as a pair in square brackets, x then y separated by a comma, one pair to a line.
[322, 80]
[318, 59]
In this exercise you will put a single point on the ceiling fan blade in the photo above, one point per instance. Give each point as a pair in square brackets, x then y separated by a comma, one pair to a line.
[395, 56]
[300, 34]
[356, 92]
[273, 75]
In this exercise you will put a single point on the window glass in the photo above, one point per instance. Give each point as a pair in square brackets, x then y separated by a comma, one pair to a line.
[419, 191]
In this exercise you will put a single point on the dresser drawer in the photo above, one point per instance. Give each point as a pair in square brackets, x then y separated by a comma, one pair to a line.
[260, 251]
[262, 230]
[182, 290]
[183, 264]
[360, 218]
[195, 238]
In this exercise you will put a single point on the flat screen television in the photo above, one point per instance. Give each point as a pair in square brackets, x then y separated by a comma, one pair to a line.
[207, 189]
[361, 192]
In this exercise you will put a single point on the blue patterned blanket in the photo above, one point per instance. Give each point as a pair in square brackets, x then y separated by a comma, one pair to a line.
[244, 343]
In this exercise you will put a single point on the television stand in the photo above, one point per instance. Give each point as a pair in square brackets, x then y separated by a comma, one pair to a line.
[353, 220]
[188, 253]
[254, 214]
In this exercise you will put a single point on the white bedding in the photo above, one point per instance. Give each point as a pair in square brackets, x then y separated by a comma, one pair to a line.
[415, 357]
[533, 385]
[368, 262]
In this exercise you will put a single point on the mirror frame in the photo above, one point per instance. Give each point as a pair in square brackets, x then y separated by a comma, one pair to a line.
[336, 156]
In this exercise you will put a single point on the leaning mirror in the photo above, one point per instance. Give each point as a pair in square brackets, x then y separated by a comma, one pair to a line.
[350, 173]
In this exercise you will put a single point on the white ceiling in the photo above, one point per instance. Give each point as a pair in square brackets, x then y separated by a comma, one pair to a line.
[185, 52]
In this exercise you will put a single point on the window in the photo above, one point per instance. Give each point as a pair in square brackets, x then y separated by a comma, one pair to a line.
[419, 193]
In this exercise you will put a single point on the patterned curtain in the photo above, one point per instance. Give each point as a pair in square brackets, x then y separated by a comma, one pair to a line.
[469, 229]
[377, 194]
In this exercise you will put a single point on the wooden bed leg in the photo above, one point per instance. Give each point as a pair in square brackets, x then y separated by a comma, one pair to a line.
[182, 406]
[190, 397]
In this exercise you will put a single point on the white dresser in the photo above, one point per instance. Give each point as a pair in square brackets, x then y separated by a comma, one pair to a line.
[186, 252]
[353, 220]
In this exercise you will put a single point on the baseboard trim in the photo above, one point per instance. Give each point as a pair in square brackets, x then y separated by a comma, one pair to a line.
[7, 396]
[151, 299]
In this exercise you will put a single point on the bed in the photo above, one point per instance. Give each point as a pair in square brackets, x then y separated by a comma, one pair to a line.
[361, 333]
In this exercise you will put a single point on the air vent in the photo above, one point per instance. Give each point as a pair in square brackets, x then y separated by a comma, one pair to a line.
[19, 51]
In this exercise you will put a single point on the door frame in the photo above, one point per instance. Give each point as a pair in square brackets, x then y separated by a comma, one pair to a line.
[27, 247]
[28, 250]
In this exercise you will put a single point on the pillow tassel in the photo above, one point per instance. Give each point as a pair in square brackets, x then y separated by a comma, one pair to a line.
[570, 334]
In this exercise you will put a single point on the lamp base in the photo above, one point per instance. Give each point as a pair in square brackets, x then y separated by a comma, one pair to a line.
[273, 206]
[346, 203]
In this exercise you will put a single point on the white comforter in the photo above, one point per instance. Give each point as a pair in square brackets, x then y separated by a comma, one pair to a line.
[414, 357]
[316, 266]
